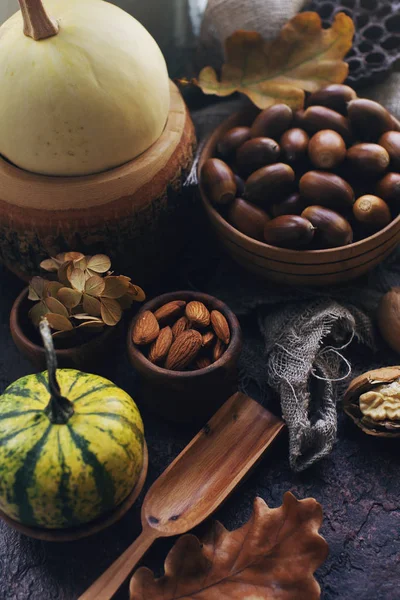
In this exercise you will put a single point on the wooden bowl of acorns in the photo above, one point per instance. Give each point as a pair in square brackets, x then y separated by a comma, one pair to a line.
[95, 141]
[185, 346]
[307, 197]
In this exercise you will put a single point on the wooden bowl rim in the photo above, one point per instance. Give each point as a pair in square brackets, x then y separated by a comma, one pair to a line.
[73, 534]
[233, 350]
[16, 328]
[207, 151]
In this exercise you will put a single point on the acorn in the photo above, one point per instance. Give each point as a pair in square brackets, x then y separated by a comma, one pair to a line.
[395, 124]
[240, 186]
[270, 183]
[326, 149]
[292, 205]
[388, 188]
[272, 122]
[327, 189]
[289, 231]
[390, 140]
[372, 212]
[218, 181]
[370, 159]
[332, 230]
[231, 141]
[248, 218]
[294, 144]
[319, 117]
[334, 96]
[256, 153]
[298, 118]
[368, 119]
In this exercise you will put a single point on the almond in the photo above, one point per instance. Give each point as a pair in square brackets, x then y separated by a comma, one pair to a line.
[169, 311]
[203, 362]
[208, 339]
[220, 326]
[180, 326]
[183, 350]
[198, 314]
[218, 350]
[160, 348]
[146, 329]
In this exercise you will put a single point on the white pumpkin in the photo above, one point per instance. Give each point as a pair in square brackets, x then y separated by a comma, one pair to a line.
[87, 99]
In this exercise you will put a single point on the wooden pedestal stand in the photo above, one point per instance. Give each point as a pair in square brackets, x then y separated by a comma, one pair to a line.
[134, 213]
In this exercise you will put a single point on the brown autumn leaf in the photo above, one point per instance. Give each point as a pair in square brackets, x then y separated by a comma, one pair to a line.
[273, 556]
[111, 311]
[37, 289]
[51, 265]
[59, 322]
[81, 263]
[93, 325]
[91, 305]
[53, 287]
[55, 262]
[77, 279]
[69, 297]
[134, 294]
[86, 317]
[37, 312]
[95, 285]
[115, 286]
[303, 57]
[56, 307]
[70, 256]
[100, 263]
[64, 272]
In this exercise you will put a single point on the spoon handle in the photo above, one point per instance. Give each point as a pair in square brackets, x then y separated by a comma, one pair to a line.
[111, 580]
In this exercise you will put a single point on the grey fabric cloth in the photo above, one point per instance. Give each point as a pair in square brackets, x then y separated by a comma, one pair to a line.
[298, 356]
[223, 17]
[387, 93]
[305, 331]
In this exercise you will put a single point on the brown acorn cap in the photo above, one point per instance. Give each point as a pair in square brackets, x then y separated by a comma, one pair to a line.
[365, 383]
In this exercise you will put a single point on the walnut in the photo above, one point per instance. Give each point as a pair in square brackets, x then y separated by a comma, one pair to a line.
[382, 403]
[372, 400]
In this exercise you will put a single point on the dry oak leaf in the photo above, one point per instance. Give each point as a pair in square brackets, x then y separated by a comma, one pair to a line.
[273, 556]
[303, 57]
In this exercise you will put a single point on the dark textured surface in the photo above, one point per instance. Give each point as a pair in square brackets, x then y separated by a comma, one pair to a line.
[358, 487]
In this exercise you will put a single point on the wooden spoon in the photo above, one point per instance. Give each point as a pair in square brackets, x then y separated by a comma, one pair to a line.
[196, 482]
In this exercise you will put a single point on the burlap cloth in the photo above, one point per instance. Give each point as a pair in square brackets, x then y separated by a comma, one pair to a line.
[306, 332]
[223, 17]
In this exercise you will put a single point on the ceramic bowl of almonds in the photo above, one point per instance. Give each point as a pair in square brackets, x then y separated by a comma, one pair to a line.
[309, 196]
[185, 346]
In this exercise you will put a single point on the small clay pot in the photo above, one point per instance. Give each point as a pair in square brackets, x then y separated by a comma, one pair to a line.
[85, 356]
[189, 396]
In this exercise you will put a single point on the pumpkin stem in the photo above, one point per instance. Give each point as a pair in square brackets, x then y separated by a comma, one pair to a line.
[59, 409]
[37, 24]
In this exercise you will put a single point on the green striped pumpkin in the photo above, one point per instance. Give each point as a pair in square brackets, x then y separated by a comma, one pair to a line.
[66, 473]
